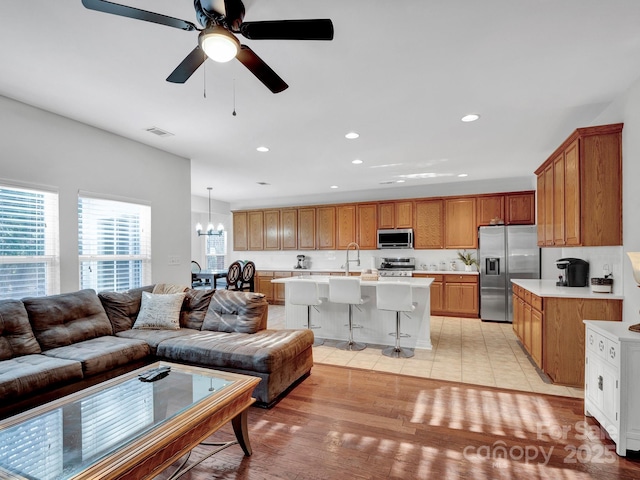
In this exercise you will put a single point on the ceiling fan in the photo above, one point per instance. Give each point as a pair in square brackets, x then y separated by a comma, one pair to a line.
[217, 39]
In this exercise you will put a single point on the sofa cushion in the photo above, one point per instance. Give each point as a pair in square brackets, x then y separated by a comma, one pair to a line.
[162, 288]
[194, 308]
[100, 354]
[16, 336]
[154, 337]
[60, 320]
[161, 311]
[265, 351]
[122, 307]
[31, 374]
[232, 311]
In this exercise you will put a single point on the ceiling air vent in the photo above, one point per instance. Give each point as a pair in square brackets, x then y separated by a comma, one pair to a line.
[159, 132]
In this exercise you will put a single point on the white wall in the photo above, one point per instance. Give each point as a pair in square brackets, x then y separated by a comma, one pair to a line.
[41, 148]
[626, 109]
[220, 213]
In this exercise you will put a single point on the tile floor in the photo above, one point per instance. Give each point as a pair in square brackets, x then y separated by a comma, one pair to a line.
[464, 350]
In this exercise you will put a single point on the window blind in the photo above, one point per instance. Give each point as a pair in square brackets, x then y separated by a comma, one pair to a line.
[114, 241]
[216, 246]
[29, 249]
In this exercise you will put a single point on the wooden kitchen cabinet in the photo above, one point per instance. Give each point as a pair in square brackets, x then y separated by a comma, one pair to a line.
[326, 228]
[289, 228]
[490, 208]
[271, 229]
[580, 190]
[395, 214]
[520, 208]
[367, 232]
[436, 293]
[460, 224]
[429, 224]
[278, 288]
[307, 228]
[264, 285]
[461, 295]
[240, 231]
[346, 225]
[255, 222]
[527, 322]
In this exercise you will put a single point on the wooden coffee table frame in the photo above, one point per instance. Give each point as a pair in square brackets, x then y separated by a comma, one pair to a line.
[155, 450]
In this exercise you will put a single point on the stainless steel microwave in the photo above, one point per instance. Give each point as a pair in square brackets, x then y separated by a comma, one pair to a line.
[398, 238]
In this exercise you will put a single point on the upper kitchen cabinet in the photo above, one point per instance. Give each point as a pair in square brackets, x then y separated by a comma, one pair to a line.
[520, 208]
[346, 225]
[460, 226]
[326, 228]
[490, 209]
[367, 232]
[271, 229]
[514, 208]
[580, 190]
[307, 228]
[395, 214]
[240, 231]
[255, 221]
[429, 224]
[289, 228]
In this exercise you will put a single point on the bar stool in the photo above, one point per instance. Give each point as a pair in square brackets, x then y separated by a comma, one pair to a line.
[305, 292]
[396, 297]
[347, 290]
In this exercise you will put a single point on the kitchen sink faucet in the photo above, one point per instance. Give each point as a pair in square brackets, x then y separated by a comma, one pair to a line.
[357, 260]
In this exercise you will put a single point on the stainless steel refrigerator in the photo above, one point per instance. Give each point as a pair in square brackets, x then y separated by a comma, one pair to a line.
[505, 252]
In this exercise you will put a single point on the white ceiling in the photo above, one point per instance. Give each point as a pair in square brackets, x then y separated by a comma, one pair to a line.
[401, 73]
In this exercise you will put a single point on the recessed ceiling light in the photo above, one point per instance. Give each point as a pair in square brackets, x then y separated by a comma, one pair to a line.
[262, 149]
[356, 161]
[463, 175]
[472, 117]
[400, 181]
[334, 186]
[352, 135]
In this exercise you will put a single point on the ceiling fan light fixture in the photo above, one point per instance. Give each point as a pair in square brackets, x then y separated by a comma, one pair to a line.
[219, 44]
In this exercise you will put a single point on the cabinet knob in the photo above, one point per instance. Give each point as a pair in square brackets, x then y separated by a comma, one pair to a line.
[601, 345]
[590, 339]
[612, 352]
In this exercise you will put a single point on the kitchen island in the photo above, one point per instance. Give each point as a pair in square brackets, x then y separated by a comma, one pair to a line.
[376, 324]
[548, 320]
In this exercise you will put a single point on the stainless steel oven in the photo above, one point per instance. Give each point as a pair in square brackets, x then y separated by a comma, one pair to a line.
[397, 267]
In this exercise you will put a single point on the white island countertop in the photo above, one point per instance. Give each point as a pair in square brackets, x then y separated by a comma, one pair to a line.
[548, 288]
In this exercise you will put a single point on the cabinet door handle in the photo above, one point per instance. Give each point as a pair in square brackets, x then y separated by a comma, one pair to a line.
[612, 353]
[601, 345]
[600, 380]
[590, 339]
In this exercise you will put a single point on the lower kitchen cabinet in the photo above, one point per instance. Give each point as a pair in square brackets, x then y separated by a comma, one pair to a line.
[273, 292]
[527, 322]
[612, 386]
[453, 295]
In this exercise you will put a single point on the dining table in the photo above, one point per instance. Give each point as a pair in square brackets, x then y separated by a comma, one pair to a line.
[210, 276]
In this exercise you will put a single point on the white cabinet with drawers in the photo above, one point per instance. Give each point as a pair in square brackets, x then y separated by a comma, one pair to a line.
[611, 381]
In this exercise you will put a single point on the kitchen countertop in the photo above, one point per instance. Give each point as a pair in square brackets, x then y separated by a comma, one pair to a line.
[302, 271]
[548, 288]
[324, 279]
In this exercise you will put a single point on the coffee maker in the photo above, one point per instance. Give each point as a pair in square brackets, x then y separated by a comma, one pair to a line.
[574, 272]
[302, 262]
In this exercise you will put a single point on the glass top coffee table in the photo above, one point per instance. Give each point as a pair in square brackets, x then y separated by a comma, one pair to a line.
[126, 427]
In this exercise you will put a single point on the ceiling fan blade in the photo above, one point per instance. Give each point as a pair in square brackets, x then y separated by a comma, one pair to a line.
[319, 29]
[261, 70]
[131, 12]
[189, 65]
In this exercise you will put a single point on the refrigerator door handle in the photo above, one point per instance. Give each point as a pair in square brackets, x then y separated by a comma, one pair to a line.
[492, 266]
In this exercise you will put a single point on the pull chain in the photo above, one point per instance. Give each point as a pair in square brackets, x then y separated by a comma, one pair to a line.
[234, 97]
[204, 80]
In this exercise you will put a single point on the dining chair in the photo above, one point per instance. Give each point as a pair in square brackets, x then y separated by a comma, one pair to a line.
[195, 269]
[233, 276]
[247, 276]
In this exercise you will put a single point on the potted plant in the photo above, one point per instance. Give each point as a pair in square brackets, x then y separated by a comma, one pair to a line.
[468, 259]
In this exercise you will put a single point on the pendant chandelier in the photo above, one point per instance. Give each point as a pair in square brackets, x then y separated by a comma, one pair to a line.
[210, 230]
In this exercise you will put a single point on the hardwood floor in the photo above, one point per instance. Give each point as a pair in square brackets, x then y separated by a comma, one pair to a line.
[352, 423]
